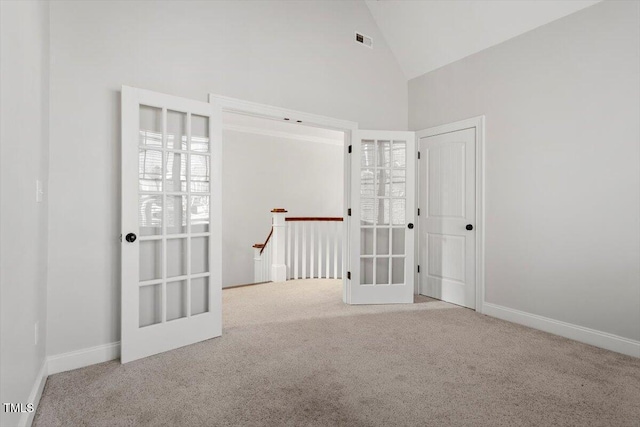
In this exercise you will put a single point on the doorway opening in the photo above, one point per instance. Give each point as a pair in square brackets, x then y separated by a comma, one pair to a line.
[283, 184]
[224, 105]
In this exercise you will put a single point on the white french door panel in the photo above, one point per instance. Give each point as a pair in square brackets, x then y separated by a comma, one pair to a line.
[448, 216]
[383, 209]
[171, 222]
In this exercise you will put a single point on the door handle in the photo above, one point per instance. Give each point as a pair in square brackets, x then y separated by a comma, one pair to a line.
[131, 237]
[469, 227]
[410, 226]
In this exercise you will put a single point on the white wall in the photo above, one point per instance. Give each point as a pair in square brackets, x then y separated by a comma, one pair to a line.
[298, 55]
[562, 106]
[24, 155]
[265, 172]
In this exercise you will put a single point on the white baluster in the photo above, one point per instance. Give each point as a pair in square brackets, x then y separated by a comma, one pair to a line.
[270, 258]
[295, 251]
[264, 265]
[328, 251]
[313, 247]
[257, 265]
[304, 250]
[319, 250]
[335, 249]
[289, 233]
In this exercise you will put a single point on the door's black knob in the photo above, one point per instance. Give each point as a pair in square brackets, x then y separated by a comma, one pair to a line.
[410, 226]
[469, 227]
[130, 238]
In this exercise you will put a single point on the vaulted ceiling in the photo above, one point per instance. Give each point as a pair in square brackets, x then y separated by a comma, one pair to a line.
[428, 34]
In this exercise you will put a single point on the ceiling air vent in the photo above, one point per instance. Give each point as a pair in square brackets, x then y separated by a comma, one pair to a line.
[365, 40]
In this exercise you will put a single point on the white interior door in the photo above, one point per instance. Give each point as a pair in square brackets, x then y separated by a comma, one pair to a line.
[171, 226]
[448, 214]
[383, 176]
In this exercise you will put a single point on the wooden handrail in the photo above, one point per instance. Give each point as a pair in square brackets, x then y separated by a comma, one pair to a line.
[311, 218]
[261, 246]
[264, 245]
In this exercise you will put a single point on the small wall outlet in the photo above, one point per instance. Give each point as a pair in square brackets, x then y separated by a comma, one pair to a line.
[36, 333]
[39, 191]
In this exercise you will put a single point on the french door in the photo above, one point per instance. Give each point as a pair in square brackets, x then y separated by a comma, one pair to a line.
[171, 222]
[383, 177]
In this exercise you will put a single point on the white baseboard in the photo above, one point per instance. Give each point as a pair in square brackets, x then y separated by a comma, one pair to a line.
[34, 397]
[81, 358]
[579, 333]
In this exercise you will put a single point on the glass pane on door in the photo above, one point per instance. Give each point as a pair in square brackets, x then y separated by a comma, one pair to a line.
[150, 126]
[176, 214]
[199, 211]
[200, 134]
[199, 295]
[382, 211]
[176, 257]
[150, 214]
[176, 130]
[176, 300]
[150, 260]
[174, 174]
[150, 170]
[150, 305]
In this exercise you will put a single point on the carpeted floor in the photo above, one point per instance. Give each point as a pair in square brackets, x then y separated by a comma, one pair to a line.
[292, 354]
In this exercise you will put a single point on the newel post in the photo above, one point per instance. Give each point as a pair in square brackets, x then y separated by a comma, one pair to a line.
[278, 240]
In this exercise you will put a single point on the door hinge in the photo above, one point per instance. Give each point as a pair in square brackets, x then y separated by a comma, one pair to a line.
[418, 155]
[418, 269]
[349, 275]
[418, 211]
[349, 149]
[349, 212]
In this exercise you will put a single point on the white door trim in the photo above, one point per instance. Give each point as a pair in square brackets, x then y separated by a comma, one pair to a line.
[240, 106]
[478, 124]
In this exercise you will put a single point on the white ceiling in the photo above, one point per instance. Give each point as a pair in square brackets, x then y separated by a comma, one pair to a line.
[427, 34]
[280, 129]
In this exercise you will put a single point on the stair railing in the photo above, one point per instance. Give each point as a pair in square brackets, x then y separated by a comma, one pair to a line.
[299, 248]
[262, 256]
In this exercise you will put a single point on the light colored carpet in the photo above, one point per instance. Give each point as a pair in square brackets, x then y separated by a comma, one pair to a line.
[292, 354]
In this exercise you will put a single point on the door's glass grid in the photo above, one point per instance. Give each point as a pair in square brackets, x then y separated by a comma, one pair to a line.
[382, 211]
[174, 197]
[150, 126]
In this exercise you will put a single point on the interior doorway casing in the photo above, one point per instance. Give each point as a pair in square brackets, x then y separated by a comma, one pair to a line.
[477, 123]
[234, 105]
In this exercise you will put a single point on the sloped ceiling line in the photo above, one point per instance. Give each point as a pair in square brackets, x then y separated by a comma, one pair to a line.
[427, 34]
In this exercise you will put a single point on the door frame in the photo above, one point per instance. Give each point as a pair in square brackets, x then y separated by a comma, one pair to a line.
[478, 123]
[239, 106]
